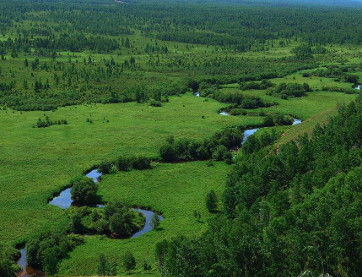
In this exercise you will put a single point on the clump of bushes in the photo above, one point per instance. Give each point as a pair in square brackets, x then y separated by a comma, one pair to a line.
[277, 120]
[339, 89]
[255, 143]
[115, 219]
[7, 257]
[125, 163]
[45, 250]
[242, 101]
[285, 90]
[47, 122]
[216, 148]
[155, 103]
[264, 84]
[84, 192]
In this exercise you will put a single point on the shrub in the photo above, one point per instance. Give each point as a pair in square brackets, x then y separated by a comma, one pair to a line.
[211, 201]
[124, 164]
[155, 103]
[155, 221]
[84, 191]
[37, 248]
[6, 264]
[141, 163]
[219, 153]
[105, 167]
[129, 261]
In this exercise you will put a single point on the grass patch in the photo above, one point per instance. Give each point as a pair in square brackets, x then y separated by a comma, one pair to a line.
[176, 190]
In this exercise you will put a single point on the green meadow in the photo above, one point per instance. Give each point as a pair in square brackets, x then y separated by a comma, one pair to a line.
[176, 190]
[38, 162]
[41, 161]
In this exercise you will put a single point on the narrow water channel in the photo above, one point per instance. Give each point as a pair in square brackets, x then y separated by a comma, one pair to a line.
[27, 271]
[248, 133]
[64, 201]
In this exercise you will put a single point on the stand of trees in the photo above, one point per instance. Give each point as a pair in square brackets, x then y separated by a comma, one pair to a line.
[116, 220]
[290, 90]
[217, 147]
[291, 212]
[7, 267]
[45, 251]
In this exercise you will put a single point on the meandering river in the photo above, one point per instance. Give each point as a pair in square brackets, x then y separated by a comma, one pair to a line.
[64, 201]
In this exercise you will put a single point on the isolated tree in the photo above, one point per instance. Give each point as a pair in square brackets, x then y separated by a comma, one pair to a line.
[211, 201]
[155, 221]
[129, 261]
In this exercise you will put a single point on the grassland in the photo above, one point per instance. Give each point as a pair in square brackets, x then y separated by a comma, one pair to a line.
[38, 162]
[176, 190]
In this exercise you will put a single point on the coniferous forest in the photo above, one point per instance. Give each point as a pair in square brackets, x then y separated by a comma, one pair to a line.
[180, 138]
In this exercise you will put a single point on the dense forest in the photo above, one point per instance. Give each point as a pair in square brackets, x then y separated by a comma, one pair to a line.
[42, 31]
[292, 211]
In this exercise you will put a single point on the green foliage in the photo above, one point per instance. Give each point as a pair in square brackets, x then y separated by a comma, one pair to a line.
[264, 84]
[290, 90]
[50, 261]
[211, 201]
[147, 266]
[155, 221]
[303, 52]
[298, 209]
[115, 219]
[277, 120]
[47, 122]
[6, 264]
[44, 251]
[105, 167]
[106, 268]
[256, 143]
[85, 191]
[129, 261]
[240, 100]
[217, 147]
[77, 226]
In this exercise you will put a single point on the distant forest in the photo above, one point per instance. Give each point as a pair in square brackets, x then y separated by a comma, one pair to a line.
[236, 26]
